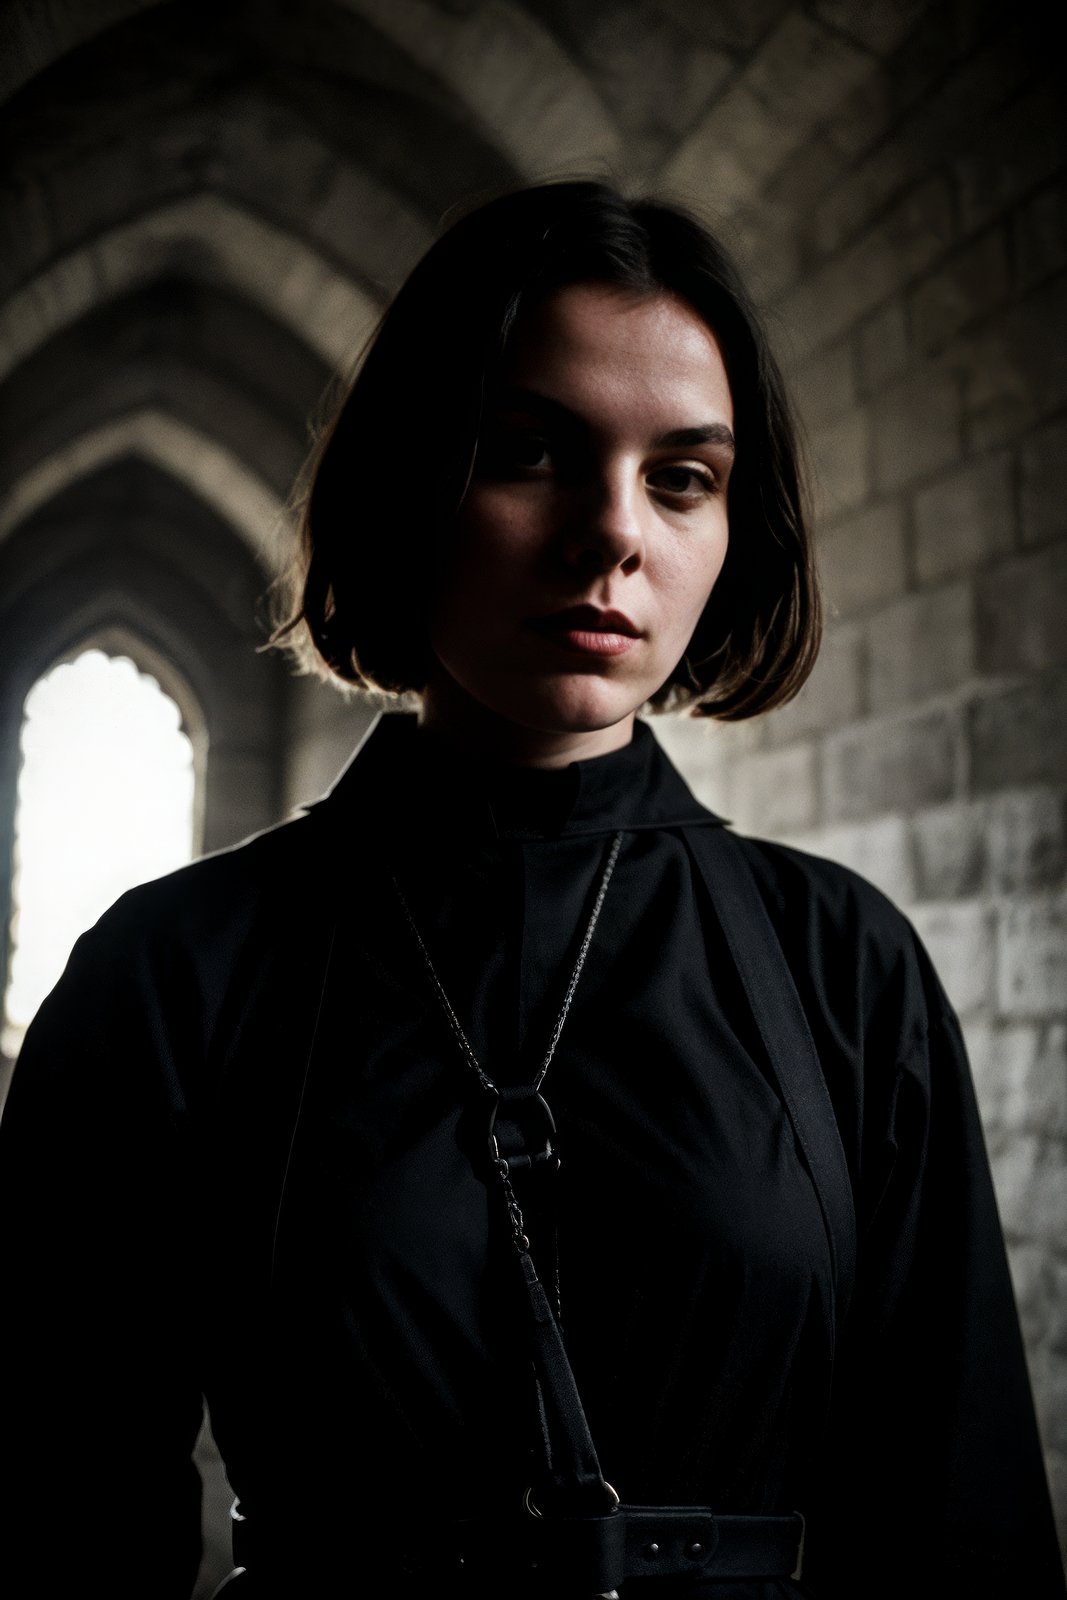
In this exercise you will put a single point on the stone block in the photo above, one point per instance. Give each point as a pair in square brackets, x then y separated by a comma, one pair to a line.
[804, 69]
[797, 75]
[737, 29]
[1028, 1172]
[1050, 1400]
[763, 239]
[1013, 369]
[1026, 840]
[883, 346]
[1017, 149]
[1039, 234]
[1042, 1098]
[964, 519]
[959, 936]
[971, 284]
[904, 243]
[1020, 1075]
[1022, 612]
[930, 127]
[979, 1033]
[888, 765]
[1057, 1331]
[879, 850]
[1044, 484]
[706, 752]
[732, 740]
[867, 189]
[775, 792]
[729, 154]
[365, 221]
[824, 387]
[879, 28]
[917, 427]
[1015, 736]
[834, 693]
[926, 58]
[696, 755]
[1032, 957]
[920, 646]
[1032, 1280]
[918, 229]
[862, 560]
[951, 850]
[861, 118]
[634, 61]
[841, 474]
[1056, 1467]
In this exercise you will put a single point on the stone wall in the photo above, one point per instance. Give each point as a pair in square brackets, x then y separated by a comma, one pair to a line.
[925, 331]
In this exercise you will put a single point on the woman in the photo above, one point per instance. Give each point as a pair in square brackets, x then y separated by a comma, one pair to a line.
[505, 1137]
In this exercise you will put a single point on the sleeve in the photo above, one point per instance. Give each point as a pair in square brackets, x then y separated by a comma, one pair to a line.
[934, 1478]
[100, 1402]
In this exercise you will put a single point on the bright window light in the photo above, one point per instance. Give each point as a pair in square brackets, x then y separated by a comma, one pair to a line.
[105, 801]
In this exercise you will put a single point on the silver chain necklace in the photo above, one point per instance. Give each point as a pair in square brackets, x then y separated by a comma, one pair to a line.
[461, 1038]
[501, 1165]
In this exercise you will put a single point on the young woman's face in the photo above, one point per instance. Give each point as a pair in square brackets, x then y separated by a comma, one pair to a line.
[595, 524]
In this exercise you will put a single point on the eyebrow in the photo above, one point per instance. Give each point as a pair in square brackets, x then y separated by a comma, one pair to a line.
[709, 433]
[706, 433]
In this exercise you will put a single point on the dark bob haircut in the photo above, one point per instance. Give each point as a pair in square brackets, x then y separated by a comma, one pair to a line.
[374, 529]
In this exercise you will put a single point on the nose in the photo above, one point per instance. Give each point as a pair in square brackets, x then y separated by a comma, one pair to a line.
[603, 530]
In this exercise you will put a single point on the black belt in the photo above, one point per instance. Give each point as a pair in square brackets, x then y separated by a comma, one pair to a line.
[591, 1555]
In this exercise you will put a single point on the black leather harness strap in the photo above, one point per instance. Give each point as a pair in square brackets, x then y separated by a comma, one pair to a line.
[572, 1555]
[777, 1011]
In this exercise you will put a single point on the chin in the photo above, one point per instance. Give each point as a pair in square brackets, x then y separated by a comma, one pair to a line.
[586, 706]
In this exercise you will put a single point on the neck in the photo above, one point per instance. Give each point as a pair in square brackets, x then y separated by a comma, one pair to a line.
[451, 715]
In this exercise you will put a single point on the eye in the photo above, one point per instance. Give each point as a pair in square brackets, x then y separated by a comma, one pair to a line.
[529, 450]
[684, 484]
[503, 451]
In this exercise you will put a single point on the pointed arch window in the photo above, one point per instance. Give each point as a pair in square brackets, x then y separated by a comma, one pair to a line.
[107, 798]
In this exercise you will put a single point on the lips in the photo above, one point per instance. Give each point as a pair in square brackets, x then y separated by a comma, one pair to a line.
[588, 631]
[587, 619]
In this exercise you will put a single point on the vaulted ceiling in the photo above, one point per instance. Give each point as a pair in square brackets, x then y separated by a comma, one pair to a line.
[205, 205]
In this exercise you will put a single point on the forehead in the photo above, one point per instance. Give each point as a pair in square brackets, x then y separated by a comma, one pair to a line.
[595, 348]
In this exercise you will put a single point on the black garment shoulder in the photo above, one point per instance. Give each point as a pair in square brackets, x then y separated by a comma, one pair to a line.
[215, 942]
[852, 953]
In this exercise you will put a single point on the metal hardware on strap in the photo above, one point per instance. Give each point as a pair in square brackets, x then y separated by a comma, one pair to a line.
[521, 1133]
[522, 1129]
[530, 1505]
[672, 1541]
[598, 1553]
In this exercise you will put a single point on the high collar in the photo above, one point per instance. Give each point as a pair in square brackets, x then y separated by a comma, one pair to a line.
[403, 775]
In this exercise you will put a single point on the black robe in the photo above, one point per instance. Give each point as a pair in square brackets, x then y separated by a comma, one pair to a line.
[187, 1207]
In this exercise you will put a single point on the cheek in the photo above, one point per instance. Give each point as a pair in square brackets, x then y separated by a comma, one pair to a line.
[489, 548]
[693, 583]
[480, 584]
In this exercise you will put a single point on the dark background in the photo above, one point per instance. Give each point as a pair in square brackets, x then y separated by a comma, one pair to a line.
[204, 206]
